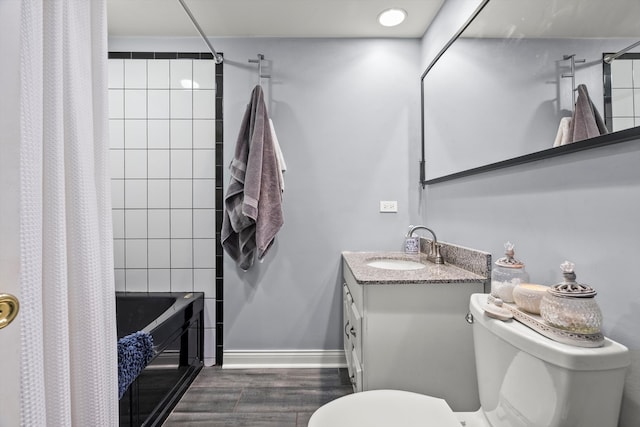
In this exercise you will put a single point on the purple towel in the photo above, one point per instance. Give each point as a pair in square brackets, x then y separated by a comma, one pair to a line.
[253, 203]
[586, 121]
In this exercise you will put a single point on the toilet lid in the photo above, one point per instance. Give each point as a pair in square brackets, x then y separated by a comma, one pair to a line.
[385, 408]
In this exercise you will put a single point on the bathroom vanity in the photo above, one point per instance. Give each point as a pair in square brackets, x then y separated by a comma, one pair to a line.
[405, 327]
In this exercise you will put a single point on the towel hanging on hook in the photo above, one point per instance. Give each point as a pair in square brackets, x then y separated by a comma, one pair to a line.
[282, 167]
[586, 121]
[253, 203]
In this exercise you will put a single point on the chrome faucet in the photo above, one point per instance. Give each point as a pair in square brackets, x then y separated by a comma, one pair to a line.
[434, 248]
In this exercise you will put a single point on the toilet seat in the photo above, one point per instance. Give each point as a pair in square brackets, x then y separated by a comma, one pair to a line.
[385, 408]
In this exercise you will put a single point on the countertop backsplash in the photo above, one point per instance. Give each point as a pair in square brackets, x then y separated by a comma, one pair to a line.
[472, 260]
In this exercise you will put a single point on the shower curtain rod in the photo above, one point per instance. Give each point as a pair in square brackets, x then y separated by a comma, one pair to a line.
[609, 58]
[216, 56]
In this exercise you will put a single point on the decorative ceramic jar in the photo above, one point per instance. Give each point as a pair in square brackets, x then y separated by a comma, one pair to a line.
[570, 305]
[507, 274]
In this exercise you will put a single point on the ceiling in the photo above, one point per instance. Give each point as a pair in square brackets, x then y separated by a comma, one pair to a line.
[267, 18]
[358, 18]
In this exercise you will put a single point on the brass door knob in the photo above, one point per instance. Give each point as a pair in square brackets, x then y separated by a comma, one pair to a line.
[9, 307]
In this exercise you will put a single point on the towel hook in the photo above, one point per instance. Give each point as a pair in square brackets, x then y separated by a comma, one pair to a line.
[572, 73]
[259, 62]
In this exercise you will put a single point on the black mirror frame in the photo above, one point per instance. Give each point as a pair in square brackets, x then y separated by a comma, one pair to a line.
[600, 141]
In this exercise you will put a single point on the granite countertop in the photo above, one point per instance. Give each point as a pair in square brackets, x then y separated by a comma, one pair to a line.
[432, 273]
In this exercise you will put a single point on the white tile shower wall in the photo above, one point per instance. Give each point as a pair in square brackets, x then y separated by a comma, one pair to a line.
[162, 137]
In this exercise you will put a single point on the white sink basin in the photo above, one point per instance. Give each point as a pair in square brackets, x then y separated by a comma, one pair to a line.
[395, 264]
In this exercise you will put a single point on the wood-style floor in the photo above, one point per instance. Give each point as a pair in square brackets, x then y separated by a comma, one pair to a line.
[257, 397]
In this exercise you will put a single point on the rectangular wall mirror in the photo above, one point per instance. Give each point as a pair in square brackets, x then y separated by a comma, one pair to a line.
[499, 93]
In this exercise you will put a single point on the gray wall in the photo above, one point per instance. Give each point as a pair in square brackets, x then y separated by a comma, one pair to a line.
[345, 113]
[583, 207]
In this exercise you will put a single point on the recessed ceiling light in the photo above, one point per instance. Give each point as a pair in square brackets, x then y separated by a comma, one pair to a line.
[392, 17]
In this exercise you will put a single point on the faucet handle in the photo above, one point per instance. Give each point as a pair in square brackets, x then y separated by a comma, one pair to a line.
[434, 253]
[437, 247]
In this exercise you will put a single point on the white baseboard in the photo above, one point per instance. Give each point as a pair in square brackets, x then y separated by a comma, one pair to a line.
[246, 359]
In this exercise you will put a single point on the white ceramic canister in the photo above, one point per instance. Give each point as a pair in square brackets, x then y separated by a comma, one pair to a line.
[507, 274]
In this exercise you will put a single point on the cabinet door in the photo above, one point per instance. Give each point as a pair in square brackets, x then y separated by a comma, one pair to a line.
[346, 326]
[355, 330]
[356, 378]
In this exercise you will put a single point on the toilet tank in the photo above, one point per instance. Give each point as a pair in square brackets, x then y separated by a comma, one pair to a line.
[528, 380]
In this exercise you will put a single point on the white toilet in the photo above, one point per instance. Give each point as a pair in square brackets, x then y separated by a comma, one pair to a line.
[525, 380]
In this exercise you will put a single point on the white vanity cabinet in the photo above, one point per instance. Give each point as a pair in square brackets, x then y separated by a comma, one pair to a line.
[411, 336]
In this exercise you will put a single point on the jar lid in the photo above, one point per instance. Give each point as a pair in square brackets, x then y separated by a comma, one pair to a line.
[569, 288]
[508, 260]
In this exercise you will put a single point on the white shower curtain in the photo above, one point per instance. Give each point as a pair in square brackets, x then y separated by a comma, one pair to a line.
[68, 331]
